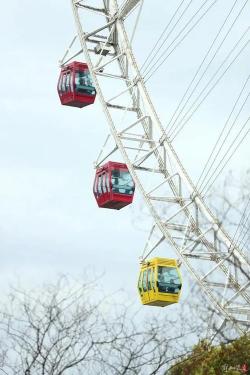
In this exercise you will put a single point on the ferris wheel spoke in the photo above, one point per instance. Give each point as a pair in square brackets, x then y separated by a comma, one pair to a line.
[101, 11]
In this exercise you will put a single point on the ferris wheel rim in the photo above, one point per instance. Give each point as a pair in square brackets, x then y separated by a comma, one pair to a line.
[194, 193]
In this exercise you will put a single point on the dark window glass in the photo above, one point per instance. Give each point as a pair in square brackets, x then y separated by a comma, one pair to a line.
[140, 282]
[95, 185]
[144, 281]
[99, 186]
[168, 280]
[107, 182]
[60, 83]
[153, 278]
[63, 82]
[67, 82]
[104, 189]
[83, 82]
[122, 182]
[149, 279]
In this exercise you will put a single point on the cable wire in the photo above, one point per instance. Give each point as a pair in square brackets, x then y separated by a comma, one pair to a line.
[145, 68]
[241, 243]
[185, 35]
[208, 65]
[203, 182]
[231, 155]
[136, 23]
[220, 136]
[241, 222]
[175, 132]
[224, 140]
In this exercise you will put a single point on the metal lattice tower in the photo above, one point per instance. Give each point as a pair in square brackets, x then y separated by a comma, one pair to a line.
[212, 258]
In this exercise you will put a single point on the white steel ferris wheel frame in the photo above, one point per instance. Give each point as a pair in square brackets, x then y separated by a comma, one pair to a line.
[213, 259]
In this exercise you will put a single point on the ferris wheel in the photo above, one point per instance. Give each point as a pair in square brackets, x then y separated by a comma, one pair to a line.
[214, 259]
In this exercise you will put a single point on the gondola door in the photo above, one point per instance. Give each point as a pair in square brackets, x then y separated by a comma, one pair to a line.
[146, 285]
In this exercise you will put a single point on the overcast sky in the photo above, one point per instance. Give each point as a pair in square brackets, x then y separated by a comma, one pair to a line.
[49, 221]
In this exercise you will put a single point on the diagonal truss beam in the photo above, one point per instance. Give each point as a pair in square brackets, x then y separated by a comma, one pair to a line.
[127, 8]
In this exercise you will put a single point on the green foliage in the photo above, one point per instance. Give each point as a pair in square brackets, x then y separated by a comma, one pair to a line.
[205, 359]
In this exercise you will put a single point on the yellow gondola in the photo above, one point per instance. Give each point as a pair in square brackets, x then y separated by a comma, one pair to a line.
[159, 282]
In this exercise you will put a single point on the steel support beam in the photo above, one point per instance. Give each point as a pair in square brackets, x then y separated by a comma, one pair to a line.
[127, 8]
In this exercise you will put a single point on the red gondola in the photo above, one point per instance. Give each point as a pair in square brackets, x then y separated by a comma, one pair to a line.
[75, 87]
[113, 187]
